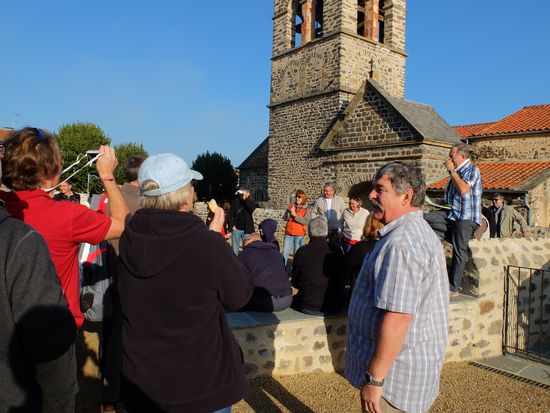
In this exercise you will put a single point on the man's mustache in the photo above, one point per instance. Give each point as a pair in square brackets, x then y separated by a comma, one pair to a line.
[377, 205]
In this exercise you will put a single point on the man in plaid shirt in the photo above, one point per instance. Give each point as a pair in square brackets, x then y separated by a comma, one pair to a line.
[399, 310]
[463, 194]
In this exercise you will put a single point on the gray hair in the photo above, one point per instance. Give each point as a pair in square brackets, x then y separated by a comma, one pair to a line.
[462, 149]
[402, 177]
[318, 227]
[329, 185]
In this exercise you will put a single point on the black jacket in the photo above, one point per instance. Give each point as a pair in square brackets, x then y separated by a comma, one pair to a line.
[318, 274]
[176, 280]
[241, 214]
[35, 322]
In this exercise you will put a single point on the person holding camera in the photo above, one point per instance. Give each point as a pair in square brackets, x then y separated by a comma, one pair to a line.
[242, 221]
[30, 169]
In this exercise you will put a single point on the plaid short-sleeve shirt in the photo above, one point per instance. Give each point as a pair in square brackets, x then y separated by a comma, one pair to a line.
[467, 206]
[405, 273]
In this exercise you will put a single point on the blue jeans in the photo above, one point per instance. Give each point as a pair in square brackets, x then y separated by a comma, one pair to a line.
[292, 241]
[236, 239]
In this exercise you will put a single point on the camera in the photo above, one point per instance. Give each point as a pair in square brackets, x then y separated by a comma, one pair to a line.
[91, 154]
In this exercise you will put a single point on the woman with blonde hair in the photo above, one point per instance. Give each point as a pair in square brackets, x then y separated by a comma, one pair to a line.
[296, 227]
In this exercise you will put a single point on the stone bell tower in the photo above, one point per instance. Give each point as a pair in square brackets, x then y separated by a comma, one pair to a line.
[323, 51]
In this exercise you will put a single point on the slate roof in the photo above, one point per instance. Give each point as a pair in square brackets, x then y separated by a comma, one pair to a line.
[258, 158]
[423, 118]
[511, 176]
[420, 117]
[527, 120]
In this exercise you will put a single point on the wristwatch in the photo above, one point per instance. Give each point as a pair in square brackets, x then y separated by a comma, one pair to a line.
[452, 170]
[371, 380]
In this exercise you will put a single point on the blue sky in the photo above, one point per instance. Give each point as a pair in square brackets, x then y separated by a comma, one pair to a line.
[187, 76]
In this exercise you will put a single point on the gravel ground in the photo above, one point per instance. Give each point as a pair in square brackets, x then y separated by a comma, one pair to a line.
[464, 388]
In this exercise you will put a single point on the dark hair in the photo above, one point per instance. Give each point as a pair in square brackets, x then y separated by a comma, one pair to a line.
[303, 194]
[357, 199]
[402, 177]
[131, 167]
[32, 155]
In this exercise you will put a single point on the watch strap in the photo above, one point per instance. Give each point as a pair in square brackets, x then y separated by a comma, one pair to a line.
[371, 381]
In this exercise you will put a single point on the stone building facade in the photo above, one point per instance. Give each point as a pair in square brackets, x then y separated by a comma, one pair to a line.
[337, 111]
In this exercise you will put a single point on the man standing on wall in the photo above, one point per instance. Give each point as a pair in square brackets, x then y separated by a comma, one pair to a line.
[502, 217]
[241, 218]
[332, 207]
[399, 310]
[463, 194]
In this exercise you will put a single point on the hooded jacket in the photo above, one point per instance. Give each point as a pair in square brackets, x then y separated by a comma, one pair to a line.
[267, 268]
[35, 322]
[268, 228]
[176, 280]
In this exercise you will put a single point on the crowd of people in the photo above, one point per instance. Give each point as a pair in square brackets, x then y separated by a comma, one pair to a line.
[166, 345]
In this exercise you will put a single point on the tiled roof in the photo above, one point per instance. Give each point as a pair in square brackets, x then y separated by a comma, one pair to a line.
[529, 119]
[4, 133]
[513, 176]
[469, 130]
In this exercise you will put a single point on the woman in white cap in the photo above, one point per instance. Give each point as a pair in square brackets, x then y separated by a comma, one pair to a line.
[176, 281]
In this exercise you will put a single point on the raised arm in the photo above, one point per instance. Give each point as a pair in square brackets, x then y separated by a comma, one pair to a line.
[105, 166]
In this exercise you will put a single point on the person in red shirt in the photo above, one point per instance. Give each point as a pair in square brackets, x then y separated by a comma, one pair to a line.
[31, 167]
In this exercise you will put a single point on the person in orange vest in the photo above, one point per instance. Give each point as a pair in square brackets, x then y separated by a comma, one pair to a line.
[296, 227]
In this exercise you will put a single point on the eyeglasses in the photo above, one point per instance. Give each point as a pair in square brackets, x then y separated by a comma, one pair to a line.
[299, 196]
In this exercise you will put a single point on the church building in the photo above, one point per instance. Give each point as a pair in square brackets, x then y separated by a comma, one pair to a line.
[337, 111]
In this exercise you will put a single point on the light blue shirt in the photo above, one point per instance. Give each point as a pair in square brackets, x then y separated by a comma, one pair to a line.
[405, 273]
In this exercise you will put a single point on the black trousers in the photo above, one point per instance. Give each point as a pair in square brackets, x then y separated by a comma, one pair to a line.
[458, 233]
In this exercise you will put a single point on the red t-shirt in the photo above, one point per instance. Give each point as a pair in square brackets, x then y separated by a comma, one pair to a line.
[64, 225]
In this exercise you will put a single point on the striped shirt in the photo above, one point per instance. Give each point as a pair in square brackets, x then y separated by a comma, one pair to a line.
[468, 206]
[405, 273]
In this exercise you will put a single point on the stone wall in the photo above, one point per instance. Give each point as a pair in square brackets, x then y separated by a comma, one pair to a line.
[294, 161]
[533, 148]
[290, 343]
[256, 180]
[539, 201]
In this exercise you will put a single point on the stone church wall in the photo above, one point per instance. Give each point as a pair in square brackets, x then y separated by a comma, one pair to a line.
[532, 148]
[294, 130]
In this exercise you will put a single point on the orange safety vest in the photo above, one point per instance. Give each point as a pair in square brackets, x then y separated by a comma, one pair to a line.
[295, 228]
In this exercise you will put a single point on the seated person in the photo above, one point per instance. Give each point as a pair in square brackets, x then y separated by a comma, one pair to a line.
[267, 231]
[317, 273]
[266, 265]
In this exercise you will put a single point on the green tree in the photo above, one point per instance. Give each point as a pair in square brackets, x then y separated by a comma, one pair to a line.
[219, 175]
[123, 152]
[75, 139]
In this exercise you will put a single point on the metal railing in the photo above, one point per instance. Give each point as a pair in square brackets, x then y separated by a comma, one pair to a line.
[527, 313]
